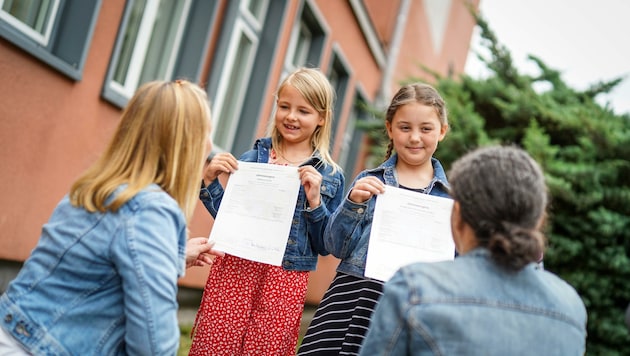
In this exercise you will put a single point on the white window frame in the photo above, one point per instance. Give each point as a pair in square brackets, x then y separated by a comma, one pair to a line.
[255, 21]
[296, 39]
[240, 29]
[41, 38]
[347, 140]
[348, 143]
[141, 46]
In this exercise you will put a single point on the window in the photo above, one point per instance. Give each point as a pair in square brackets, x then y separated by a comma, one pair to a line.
[302, 46]
[233, 87]
[35, 18]
[158, 40]
[339, 77]
[55, 31]
[154, 29]
[307, 42]
[239, 76]
[353, 138]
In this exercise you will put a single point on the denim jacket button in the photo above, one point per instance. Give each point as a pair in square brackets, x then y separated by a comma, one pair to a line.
[323, 188]
[8, 318]
[360, 210]
[19, 328]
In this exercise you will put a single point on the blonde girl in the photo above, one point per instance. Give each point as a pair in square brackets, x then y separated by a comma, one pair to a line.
[251, 308]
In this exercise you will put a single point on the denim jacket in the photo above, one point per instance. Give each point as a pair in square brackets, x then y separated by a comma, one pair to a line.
[305, 240]
[101, 283]
[471, 306]
[348, 231]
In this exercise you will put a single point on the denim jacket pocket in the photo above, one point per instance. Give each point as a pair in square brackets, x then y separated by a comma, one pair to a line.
[329, 187]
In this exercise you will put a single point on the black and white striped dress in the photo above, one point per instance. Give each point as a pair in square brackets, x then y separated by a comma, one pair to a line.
[343, 317]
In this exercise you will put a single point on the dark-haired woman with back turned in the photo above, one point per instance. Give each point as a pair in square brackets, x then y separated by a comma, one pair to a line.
[493, 299]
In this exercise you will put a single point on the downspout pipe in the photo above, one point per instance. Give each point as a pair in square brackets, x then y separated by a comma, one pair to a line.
[391, 59]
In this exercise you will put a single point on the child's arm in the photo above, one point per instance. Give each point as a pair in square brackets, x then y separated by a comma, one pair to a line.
[330, 196]
[211, 192]
[345, 226]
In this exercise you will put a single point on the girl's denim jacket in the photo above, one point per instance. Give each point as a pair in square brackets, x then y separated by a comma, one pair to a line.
[102, 283]
[471, 306]
[348, 231]
[305, 239]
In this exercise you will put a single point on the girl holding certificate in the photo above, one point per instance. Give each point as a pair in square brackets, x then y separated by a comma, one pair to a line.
[416, 120]
[253, 308]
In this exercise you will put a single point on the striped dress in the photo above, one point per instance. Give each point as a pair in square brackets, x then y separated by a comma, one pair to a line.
[343, 317]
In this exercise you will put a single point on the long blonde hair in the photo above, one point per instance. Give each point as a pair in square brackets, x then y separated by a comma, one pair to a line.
[160, 139]
[313, 85]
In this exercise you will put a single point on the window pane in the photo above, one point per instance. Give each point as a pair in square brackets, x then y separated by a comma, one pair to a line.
[150, 44]
[129, 41]
[230, 109]
[257, 8]
[33, 13]
[165, 39]
[302, 46]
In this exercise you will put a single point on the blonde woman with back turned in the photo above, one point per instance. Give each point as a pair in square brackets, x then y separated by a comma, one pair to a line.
[102, 279]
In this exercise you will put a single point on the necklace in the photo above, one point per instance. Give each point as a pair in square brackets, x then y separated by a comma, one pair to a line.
[293, 162]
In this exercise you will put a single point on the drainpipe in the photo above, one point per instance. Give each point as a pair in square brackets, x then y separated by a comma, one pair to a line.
[392, 54]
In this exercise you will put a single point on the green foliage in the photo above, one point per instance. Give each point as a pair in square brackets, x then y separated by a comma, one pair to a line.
[184, 339]
[584, 149]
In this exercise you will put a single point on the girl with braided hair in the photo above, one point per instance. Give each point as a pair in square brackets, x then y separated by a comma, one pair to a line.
[416, 121]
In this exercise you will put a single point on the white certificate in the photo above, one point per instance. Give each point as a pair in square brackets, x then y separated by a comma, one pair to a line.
[408, 227]
[254, 219]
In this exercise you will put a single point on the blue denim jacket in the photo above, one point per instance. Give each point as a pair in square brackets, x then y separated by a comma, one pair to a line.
[348, 231]
[471, 306]
[305, 239]
[101, 283]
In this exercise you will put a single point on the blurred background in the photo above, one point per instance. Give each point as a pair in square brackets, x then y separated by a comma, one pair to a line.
[549, 76]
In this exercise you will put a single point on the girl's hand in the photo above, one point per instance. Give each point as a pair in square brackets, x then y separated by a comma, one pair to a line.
[221, 163]
[365, 188]
[200, 253]
[311, 180]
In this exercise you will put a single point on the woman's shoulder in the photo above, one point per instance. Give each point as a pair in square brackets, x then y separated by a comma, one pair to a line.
[153, 196]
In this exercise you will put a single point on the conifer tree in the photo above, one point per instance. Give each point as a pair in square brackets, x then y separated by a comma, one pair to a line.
[584, 149]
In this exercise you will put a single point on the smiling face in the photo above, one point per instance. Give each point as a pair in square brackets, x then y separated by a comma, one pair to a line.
[296, 120]
[415, 131]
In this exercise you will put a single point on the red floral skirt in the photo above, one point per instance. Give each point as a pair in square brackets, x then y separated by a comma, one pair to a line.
[249, 308]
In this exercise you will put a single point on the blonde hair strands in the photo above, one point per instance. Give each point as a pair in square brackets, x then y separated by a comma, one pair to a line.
[160, 139]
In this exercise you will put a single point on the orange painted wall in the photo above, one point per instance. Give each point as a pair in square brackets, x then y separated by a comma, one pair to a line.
[52, 128]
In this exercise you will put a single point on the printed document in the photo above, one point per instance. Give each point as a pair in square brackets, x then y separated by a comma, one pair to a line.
[408, 227]
[254, 219]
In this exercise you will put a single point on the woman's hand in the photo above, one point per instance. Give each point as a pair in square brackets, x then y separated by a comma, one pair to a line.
[200, 253]
[365, 188]
[221, 163]
[311, 179]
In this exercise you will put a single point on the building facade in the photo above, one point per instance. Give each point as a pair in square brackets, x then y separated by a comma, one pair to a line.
[68, 67]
